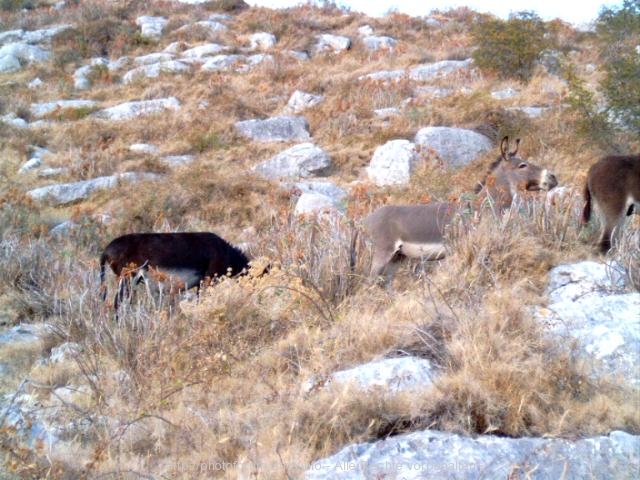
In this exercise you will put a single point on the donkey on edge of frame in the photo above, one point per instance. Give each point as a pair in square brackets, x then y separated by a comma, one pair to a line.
[417, 231]
[182, 259]
[613, 185]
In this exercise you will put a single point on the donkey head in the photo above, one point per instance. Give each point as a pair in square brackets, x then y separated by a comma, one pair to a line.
[521, 174]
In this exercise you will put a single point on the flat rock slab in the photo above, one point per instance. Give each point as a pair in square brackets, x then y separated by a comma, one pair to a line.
[429, 71]
[129, 110]
[64, 193]
[275, 129]
[40, 110]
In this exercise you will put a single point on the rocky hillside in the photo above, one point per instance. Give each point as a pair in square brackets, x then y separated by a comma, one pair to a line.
[515, 356]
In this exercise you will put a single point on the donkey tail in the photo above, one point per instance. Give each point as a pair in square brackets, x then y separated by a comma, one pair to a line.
[352, 252]
[586, 212]
[103, 287]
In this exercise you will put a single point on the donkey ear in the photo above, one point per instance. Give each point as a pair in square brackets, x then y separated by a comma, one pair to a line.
[504, 147]
[517, 146]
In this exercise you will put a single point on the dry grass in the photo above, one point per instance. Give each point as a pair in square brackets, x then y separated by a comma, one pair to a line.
[222, 377]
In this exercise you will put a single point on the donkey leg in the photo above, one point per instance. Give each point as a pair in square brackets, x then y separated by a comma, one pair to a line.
[124, 288]
[382, 266]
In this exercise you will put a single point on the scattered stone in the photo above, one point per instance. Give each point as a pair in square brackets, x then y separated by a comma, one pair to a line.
[152, 58]
[64, 352]
[433, 92]
[255, 60]
[300, 56]
[301, 101]
[39, 110]
[531, 112]
[65, 193]
[276, 129]
[143, 148]
[151, 27]
[365, 31]
[13, 55]
[393, 162]
[212, 26]
[505, 94]
[303, 160]
[222, 62]
[429, 71]
[129, 110]
[13, 120]
[457, 147]
[175, 161]
[154, 70]
[316, 204]
[64, 229]
[204, 50]
[263, 41]
[385, 75]
[81, 79]
[375, 43]
[35, 84]
[327, 189]
[392, 375]
[9, 63]
[48, 172]
[387, 112]
[334, 43]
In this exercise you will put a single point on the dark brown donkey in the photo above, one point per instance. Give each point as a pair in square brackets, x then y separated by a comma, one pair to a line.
[183, 260]
[613, 184]
[417, 231]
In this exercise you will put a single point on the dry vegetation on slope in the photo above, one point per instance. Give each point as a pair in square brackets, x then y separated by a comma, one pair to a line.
[221, 379]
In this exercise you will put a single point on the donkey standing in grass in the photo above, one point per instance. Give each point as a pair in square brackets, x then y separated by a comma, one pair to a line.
[182, 260]
[613, 183]
[417, 231]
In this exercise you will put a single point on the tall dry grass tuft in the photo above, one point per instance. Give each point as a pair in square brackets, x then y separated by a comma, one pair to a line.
[488, 249]
[322, 251]
[627, 253]
[30, 273]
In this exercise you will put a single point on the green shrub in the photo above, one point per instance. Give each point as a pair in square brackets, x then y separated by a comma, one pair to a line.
[618, 32]
[589, 122]
[510, 48]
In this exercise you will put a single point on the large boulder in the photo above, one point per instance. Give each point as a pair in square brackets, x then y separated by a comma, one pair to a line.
[275, 129]
[589, 303]
[393, 162]
[303, 160]
[434, 454]
[457, 147]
